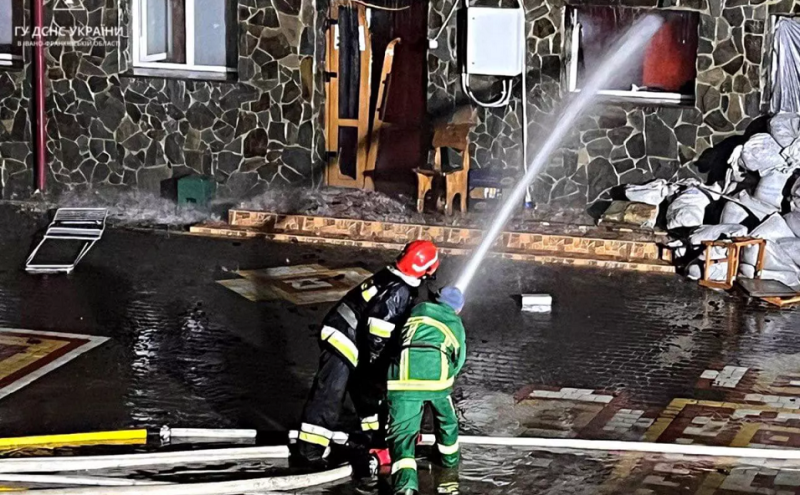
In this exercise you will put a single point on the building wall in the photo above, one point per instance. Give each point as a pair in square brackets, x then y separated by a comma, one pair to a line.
[16, 159]
[615, 143]
[109, 128]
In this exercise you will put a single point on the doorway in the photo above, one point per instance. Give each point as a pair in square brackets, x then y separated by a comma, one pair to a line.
[376, 114]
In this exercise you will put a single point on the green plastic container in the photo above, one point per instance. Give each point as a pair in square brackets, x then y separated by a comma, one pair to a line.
[196, 190]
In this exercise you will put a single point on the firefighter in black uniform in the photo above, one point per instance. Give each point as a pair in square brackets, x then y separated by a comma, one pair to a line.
[353, 335]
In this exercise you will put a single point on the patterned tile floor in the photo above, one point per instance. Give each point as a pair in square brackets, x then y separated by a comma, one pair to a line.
[621, 356]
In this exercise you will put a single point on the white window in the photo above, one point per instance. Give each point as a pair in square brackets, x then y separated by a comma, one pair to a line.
[194, 35]
[10, 26]
[665, 71]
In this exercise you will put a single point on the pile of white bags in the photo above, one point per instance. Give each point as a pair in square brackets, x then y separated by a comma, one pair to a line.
[773, 159]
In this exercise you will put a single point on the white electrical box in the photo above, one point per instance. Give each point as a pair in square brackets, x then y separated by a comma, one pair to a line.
[495, 41]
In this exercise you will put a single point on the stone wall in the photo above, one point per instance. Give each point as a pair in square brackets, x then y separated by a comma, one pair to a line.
[16, 158]
[107, 127]
[615, 143]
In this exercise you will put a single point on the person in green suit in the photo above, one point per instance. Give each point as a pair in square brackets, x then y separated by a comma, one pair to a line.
[432, 353]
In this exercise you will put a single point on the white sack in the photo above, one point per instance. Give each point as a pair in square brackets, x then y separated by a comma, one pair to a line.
[793, 221]
[786, 68]
[717, 253]
[795, 194]
[688, 209]
[770, 187]
[791, 154]
[772, 229]
[776, 258]
[784, 128]
[735, 174]
[761, 154]
[717, 272]
[714, 232]
[652, 193]
[791, 245]
[735, 213]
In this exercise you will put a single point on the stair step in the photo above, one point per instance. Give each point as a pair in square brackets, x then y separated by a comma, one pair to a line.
[221, 229]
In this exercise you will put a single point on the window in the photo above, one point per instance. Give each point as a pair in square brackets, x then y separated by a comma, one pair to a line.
[664, 72]
[194, 35]
[10, 27]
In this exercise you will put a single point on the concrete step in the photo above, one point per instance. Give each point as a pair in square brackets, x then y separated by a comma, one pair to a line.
[528, 246]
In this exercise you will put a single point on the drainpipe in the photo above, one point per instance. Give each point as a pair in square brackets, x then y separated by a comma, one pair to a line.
[40, 119]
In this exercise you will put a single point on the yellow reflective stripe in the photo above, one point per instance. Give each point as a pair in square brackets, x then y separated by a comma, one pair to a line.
[410, 329]
[408, 332]
[445, 362]
[404, 464]
[420, 385]
[369, 293]
[381, 328]
[341, 343]
[317, 430]
[370, 423]
[314, 438]
[451, 487]
[404, 364]
[426, 320]
[447, 449]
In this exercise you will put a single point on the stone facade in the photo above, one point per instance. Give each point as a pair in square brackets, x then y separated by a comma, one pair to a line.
[616, 143]
[16, 145]
[109, 127]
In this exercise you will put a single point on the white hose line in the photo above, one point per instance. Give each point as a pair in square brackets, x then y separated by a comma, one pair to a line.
[259, 485]
[56, 464]
[210, 433]
[54, 479]
[620, 446]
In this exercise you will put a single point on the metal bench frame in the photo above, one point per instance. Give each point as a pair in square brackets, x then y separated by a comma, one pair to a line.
[73, 224]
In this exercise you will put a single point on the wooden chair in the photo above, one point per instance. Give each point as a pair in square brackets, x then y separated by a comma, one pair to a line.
[456, 181]
[733, 250]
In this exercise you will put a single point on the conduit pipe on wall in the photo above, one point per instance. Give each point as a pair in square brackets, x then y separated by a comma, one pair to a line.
[40, 116]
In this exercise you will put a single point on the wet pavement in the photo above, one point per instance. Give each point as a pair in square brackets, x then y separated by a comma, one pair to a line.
[621, 356]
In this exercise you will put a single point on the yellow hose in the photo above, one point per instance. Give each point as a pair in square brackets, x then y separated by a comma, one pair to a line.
[94, 438]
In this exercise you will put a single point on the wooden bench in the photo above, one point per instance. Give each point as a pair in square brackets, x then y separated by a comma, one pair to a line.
[456, 181]
[733, 255]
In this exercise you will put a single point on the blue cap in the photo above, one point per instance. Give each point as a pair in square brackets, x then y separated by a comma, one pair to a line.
[452, 297]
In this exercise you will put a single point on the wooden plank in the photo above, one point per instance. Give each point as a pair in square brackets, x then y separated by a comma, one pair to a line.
[333, 174]
[380, 109]
[364, 94]
[781, 302]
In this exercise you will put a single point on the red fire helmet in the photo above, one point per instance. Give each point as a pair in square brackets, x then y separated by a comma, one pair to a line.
[419, 258]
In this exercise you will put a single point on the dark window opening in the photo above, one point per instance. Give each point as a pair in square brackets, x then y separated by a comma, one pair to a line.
[11, 26]
[665, 69]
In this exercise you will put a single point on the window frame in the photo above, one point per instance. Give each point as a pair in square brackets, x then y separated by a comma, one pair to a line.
[10, 57]
[153, 61]
[573, 56]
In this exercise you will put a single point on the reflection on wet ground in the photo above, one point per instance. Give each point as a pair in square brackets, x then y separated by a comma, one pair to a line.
[622, 356]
